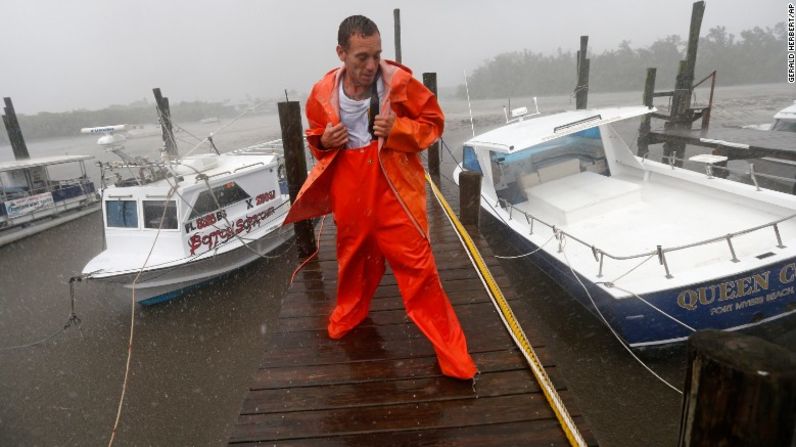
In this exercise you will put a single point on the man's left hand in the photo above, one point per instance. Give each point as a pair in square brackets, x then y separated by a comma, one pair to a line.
[382, 124]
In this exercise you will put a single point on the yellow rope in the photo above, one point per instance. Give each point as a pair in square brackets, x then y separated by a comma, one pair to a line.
[554, 400]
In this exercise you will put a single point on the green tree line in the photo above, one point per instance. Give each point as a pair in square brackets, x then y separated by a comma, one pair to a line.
[757, 55]
[49, 125]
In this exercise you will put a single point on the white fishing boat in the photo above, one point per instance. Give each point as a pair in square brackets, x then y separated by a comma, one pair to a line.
[182, 223]
[784, 121]
[657, 250]
[40, 193]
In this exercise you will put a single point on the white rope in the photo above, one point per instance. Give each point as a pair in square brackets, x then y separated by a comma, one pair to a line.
[653, 306]
[172, 190]
[616, 335]
[132, 324]
[234, 120]
[530, 252]
[632, 269]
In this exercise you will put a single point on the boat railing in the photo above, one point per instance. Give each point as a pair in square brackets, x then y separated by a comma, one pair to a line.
[660, 251]
[203, 177]
[259, 163]
[753, 174]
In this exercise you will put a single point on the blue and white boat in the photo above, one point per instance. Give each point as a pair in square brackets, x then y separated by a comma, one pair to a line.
[40, 193]
[659, 250]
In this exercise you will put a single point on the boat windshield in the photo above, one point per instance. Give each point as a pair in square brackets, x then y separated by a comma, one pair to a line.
[784, 126]
[514, 174]
[160, 214]
[470, 161]
[219, 197]
[121, 213]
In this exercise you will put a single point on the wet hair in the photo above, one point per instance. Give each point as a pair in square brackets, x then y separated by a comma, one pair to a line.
[360, 25]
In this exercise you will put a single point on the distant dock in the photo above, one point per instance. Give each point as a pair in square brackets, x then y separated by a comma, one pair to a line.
[380, 385]
[735, 143]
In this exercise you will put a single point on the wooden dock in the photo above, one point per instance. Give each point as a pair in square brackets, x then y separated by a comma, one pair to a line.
[736, 143]
[380, 384]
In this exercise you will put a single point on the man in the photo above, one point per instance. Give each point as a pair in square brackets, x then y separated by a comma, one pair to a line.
[368, 121]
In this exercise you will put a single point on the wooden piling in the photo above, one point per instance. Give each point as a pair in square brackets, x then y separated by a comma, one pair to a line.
[644, 129]
[15, 138]
[739, 390]
[396, 13]
[680, 113]
[164, 116]
[469, 197]
[582, 89]
[430, 81]
[296, 169]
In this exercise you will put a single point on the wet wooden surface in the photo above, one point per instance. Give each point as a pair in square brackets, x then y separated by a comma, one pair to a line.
[380, 384]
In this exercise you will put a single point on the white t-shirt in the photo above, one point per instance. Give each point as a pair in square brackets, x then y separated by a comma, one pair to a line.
[354, 115]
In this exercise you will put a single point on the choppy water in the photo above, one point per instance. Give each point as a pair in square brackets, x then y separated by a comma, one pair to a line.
[193, 357]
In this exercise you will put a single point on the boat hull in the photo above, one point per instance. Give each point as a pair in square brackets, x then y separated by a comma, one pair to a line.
[732, 302]
[159, 285]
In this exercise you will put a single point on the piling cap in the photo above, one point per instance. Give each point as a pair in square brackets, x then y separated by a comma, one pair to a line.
[744, 352]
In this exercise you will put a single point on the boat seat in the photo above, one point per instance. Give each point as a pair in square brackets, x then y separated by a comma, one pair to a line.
[529, 180]
[559, 170]
[569, 199]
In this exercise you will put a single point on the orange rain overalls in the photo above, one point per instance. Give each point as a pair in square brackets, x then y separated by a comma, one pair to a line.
[375, 221]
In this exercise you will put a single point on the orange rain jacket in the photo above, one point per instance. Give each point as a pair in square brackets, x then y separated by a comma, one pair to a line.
[418, 123]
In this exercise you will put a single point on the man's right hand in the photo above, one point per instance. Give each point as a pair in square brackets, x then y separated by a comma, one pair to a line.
[334, 136]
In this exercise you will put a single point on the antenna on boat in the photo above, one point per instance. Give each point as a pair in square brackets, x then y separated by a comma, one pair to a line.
[110, 138]
[467, 88]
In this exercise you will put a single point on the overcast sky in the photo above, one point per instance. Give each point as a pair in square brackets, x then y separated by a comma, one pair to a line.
[61, 55]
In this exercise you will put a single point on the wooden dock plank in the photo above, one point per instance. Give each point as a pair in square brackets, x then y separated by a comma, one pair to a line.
[322, 302]
[543, 433]
[362, 343]
[393, 418]
[470, 315]
[381, 369]
[387, 392]
[381, 384]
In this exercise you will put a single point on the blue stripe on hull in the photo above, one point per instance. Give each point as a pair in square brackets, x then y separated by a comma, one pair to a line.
[712, 304]
[168, 296]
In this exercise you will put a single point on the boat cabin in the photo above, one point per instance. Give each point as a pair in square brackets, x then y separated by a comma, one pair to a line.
[564, 173]
[203, 203]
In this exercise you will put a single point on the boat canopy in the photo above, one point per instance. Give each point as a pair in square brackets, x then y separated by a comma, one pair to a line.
[788, 113]
[526, 134]
[41, 161]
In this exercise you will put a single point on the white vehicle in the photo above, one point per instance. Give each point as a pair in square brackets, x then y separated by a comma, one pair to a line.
[659, 251]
